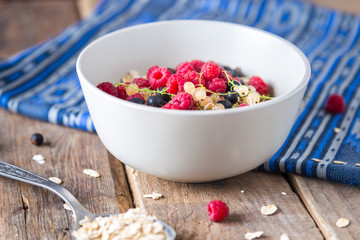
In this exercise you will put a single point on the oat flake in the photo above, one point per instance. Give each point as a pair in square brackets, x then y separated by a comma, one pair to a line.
[284, 237]
[39, 158]
[342, 222]
[268, 210]
[252, 235]
[55, 180]
[283, 193]
[242, 191]
[91, 173]
[67, 207]
[154, 195]
[337, 130]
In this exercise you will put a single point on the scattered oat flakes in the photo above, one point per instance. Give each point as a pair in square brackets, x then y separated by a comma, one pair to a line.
[283, 193]
[339, 162]
[284, 237]
[55, 180]
[252, 235]
[39, 158]
[268, 210]
[357, 164]
[134, 224]
[342, 222]
[337, 130]
[91, 172]
[67, 207]
[153, 195]
[242, 191]
[316, 160]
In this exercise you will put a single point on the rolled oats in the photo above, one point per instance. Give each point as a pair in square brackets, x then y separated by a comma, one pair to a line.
[134, 224]
[284, 237]
[342, 222]
[67, 207]
[283, 193]
[268, 210]
[252, 235]
[91, 172]
[39, 158]
[55, 180]
[153, 195]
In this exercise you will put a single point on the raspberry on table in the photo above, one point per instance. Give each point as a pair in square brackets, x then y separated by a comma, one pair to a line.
[216, 85]
[183, 68]
[259, 85]
[175, 84]
[109, 88]
[217, 210]
[335, 104]
[159, 77]
[182, 101]
[197, 64]
[210, 70]
[142, 82]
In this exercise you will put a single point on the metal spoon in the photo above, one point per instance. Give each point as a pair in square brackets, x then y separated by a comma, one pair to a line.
[13, 172]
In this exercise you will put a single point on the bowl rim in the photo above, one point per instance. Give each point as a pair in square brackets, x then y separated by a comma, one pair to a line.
[302, 84]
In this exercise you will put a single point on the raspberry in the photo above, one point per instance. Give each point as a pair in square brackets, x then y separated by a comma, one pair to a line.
[175, 84]
[194, 77]
[223, 76]
[136, 95]
[243, 105]
[335, 104]
[141, 82]
[259, 85]
[150, 70]
[197, 64]
[109, 88]
[122, 91]
[210, 70]
[159, 77]
[183, 68]
[217, 210]
[167, 106]
[216, 85]
[182, 101]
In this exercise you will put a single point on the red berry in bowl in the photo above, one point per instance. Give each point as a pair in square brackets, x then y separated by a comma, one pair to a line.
[175, 84]
[141, 82]
[216, 85]
[259, 85]
[210, 70]
[183, 68]
[159, 77]
[217, 210]
[109, 88]
[182, 101]
[335, 104]
[197, 64]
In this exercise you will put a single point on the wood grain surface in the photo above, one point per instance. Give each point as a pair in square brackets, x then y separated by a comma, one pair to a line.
[309, 209]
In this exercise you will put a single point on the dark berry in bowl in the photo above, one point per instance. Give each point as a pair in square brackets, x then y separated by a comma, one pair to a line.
[233, 97]
[229, 85]
[137, 100]
[37, 139]
[165, 96]
[234, 72]
[155, 101]
[226, 103]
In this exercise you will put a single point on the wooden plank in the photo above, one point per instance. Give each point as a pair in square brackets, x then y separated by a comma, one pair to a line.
[25, 23]
[350, 6]
[38, 213]
[329, 201]
[184, 206]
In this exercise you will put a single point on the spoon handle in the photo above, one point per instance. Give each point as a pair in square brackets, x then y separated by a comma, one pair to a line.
[16, 173]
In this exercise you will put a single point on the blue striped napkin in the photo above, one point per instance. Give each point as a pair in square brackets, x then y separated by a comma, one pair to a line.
[41, 81]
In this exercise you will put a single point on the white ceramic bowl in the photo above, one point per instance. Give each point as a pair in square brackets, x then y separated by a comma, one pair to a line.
[193, 146]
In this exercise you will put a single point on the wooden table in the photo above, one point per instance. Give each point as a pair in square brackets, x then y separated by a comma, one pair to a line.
[309, 209]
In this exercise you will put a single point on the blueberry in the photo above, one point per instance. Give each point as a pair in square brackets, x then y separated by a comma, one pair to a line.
[137, 100]
[226, 103]
[165, 96]
[37, 139]
[233, 97]
[234, 72]
[229, 85]
[155, 101]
